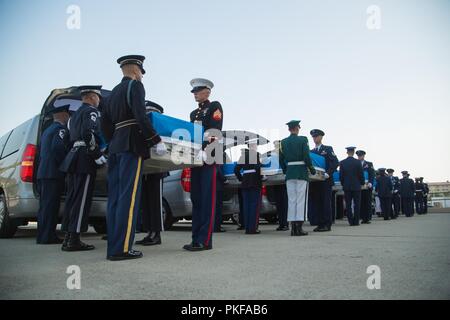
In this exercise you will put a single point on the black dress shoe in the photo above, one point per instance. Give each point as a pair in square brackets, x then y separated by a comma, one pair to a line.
[196, 247]
[365, 222]
[253, 232]
[240, 228]
[285, 228]
[322, 229]
[219, 230]
[132, 254]
[75, 244]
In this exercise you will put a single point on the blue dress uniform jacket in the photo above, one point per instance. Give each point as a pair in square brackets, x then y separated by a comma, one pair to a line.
[249, 179]
[210, 115]
[52, 151]
[351, 174]
[136, 134]
[204, 178]
[352, 178]
[83, 128]
[384, 187]
[331, 161]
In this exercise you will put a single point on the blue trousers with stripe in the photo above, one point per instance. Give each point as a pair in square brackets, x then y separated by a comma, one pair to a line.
[124, 194]
[203, 197]
[49, 202]
[251, 200]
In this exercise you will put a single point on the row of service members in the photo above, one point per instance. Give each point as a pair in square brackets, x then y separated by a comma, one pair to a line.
[71, 152]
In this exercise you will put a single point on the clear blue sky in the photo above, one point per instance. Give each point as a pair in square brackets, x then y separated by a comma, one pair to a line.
[386, 91]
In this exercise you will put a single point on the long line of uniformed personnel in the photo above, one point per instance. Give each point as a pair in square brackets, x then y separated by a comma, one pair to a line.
[72, 149]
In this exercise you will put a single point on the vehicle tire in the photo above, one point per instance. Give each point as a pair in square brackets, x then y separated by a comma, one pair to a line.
[168, 218]
[272, 219]
[235, 219]
[100, 227]
[8, 226]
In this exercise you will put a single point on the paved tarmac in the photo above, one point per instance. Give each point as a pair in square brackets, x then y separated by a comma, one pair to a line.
[413, 255]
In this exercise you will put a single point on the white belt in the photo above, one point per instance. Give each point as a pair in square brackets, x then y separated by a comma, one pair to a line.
[77, 144]
[249, 171]
[296, 163]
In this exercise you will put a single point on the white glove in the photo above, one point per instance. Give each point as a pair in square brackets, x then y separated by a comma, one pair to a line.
[369, 185]
[101, 161]
[161, 149]
[326, 175]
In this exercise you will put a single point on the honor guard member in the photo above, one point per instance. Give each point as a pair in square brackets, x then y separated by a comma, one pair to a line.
[130, 134]
[366, 195]
[395, 193]
[320, 192]
[151, 205]
[248, 172]
[384, 190]
[426, 190]
[295, 162]
[81, 165]
[53, 148]
[419, 196]
[352, 179]
[221, 182]
[407, 194]
[280, 192]
[204, 178]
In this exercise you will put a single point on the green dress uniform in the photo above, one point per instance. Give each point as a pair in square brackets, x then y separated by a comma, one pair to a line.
[295, 162]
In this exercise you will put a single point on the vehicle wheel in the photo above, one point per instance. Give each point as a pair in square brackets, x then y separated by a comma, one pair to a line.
[8, 227]
[272, 219]
[100, 227]
[235, 219]
[168, 218]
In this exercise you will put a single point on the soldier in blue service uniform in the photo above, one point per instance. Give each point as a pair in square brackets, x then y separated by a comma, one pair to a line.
[151, 205]
[395, 208]
[204, 178]
[320, 191]
[251, 185]
[384, 190]
[81, 165]
[352, 179]
[366, 194]
[53, 148]
[418, 198]
[296, 164]
[407, 189]
[130, 134]
[426, 190]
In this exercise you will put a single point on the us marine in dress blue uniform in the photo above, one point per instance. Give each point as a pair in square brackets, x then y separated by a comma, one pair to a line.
[366, 194]
[418, 198]
[407, 189]
[53, 148]
[130, 135]
[426, 190]
[80, 165]
[204, 178]
[320, 192]
[352, 178]
[248, 172]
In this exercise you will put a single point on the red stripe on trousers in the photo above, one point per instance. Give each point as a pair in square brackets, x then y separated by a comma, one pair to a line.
[213, 206]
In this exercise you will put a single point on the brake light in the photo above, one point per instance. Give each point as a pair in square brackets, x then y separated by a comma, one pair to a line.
[264, 191]
[27, 165]
[186, 180]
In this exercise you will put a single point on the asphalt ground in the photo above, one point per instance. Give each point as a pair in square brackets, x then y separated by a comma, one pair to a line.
[413, 256]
